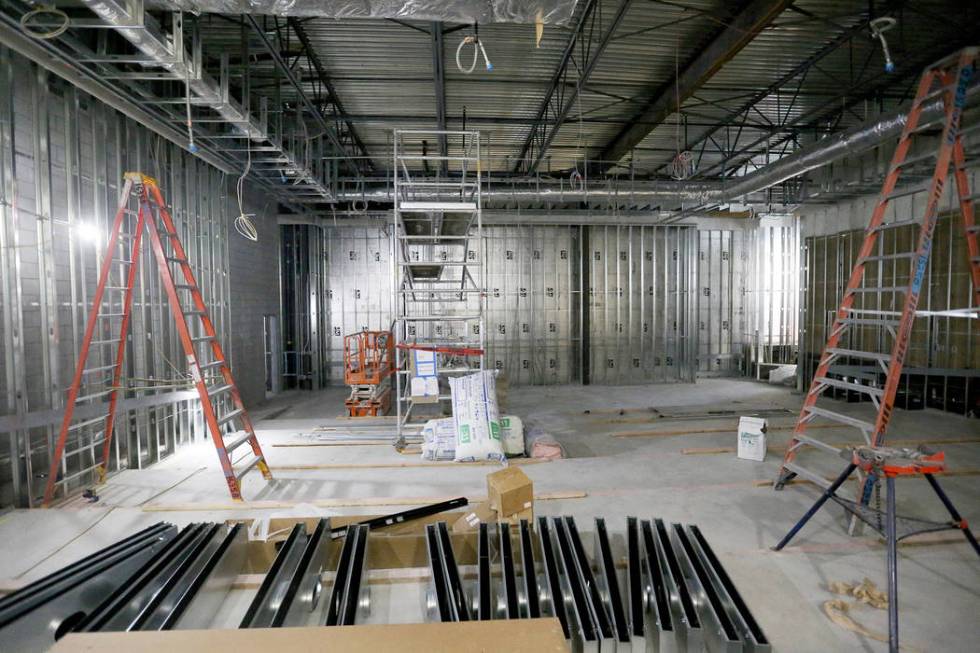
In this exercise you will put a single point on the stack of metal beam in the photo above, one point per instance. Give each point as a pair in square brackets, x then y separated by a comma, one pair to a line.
[673, 595]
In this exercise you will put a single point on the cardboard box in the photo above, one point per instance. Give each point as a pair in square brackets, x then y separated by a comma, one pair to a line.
[510, 491]
[424, 385]
[752, 438]
[470, 521]
[516, 518]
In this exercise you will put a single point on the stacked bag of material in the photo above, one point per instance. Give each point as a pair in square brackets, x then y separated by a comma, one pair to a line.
[476, 431]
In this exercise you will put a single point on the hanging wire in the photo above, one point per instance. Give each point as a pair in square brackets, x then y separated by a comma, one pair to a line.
[41, 17]
[682, 165]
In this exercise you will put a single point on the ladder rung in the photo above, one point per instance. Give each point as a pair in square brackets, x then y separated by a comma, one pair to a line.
[880, 289]
[855, 353]
[103, 342]
[111, 314]
[212, 364]
[934, 93]
[88, 422]
[230, 416]
[94, 396]
[185, 286]
[819, 444]
[249, 466]
[928, 125]
[115, 287]
[889, 257]
[93, 370]
[905, 192]
[218, 389]
[847, 385]
[237, 442]
[915, 159]
[175, 259]
[860, 321]
[201, 339]
[194, 312]
[895, 225]
[805, 473]
[86, 447]
[839, 417]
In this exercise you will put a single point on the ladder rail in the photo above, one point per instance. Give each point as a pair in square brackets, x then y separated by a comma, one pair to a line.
[93, 317]
[216, 349]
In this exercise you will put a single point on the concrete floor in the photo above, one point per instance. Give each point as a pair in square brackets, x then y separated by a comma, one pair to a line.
[642, 476]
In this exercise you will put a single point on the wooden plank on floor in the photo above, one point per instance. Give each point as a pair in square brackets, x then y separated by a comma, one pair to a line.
[340, 502]
[661, 433]
[445, 464]
[780, 448]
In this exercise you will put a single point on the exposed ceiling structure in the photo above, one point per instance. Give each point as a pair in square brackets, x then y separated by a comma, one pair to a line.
[654, 103]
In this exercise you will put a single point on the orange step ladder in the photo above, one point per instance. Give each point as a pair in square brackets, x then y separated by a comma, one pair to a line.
[206, 363]
[947, 82]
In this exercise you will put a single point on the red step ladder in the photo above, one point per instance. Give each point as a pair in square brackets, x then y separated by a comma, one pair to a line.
[207, 364]
[946, 81]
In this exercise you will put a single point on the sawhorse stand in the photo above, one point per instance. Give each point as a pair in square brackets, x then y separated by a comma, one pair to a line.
[877, 462]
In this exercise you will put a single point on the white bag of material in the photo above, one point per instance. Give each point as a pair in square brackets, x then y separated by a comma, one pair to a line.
[512, 435]
[477, 417]
[439, 439]
[752, 438]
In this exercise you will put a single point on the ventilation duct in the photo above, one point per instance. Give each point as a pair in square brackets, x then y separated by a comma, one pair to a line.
[553, 12]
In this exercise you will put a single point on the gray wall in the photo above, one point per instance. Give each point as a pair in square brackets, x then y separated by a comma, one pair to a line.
[62, 157]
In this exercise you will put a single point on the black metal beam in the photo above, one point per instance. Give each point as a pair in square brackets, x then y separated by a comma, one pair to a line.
[439, 82]
[738, 32]
[334, 99]
[861, 90]
[840, 40]
[560, 97]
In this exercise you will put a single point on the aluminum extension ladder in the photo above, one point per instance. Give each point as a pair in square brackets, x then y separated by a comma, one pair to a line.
[208, 366]
[947, 81]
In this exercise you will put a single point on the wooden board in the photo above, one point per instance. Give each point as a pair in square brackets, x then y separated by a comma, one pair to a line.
[519, 636]
[340, 502]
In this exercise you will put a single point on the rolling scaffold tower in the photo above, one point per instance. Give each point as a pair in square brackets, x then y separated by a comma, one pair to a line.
[438, 262]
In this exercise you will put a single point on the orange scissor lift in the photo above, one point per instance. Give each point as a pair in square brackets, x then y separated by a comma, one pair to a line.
[369, 360]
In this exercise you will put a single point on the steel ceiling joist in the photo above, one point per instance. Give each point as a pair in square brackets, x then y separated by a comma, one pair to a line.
[738, 32]
[562, 93]
[830, 111]
[439, 81]
[286, 69]
[341, 118]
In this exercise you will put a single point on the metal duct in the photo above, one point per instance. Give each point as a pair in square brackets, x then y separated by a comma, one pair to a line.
[661, 192]
[151, 41]
[557, 12]
[848, 143]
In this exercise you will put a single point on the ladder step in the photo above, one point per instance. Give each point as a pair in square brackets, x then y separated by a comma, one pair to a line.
[230, 416]
[870, 355]
[243, 437]
[819, 444]
[905, 192]
[194, 312]
[847, 385]
[96, 395]
[888, 257]
[93, 370]
[805, 473]
[894, 225]
[111, 314]
[249, 466]
[87, 422]
[861, 321]
[881, 289]
[103, 342]
[185, 286]
[929, 125]
[840, 417]
[211, 365]
[915, 159]
[175, 259]
[218, 389]
[201, 339]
